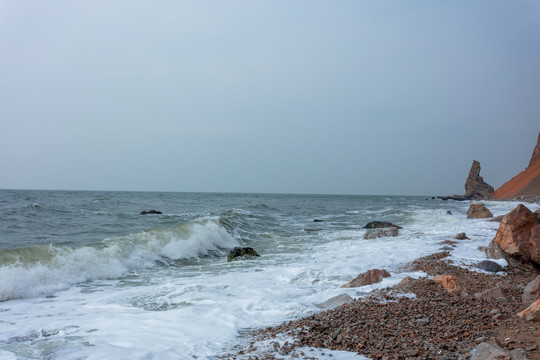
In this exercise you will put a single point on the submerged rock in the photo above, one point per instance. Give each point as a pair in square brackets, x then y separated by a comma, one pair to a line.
[383, 232]
[241, 252]
[461, 236]
[147, 212]
[381, 224]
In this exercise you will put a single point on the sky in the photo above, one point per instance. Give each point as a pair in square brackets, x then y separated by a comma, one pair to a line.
[330, 97]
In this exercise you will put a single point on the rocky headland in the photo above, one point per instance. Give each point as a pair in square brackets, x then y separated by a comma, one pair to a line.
[455, 312]
[475, 186]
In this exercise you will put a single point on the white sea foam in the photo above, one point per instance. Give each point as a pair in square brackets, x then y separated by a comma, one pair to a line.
[64, 267]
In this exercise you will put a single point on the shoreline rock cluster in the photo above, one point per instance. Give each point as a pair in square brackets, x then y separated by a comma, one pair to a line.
[452, 313]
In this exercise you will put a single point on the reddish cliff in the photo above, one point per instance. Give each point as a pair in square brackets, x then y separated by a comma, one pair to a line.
[526, 183]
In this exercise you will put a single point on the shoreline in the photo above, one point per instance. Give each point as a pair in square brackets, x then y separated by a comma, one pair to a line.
[390, 323]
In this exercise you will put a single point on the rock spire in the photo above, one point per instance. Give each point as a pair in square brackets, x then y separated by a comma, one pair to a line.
[475, 187]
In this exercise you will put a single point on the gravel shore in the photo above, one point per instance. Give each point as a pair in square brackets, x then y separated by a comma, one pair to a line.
[431, 324]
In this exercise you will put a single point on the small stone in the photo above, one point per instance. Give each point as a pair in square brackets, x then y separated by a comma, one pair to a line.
[461, 236]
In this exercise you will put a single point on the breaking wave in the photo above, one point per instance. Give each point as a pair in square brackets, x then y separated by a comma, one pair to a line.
[42, 270]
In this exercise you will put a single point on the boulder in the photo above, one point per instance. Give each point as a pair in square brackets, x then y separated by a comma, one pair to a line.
[485, 351]
[335, 302]
[449, 282]
[495, 293]
[241, 252]
[478, 211]
[381, 224]
[532, 313]
[531, 293]
[488, 265]
[461, 236]
[475, 187]
[518, 238]
[372, 276]
[147, 212]
[383, 232]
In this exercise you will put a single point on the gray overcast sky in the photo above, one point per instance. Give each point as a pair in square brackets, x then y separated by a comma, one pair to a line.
[351, 97]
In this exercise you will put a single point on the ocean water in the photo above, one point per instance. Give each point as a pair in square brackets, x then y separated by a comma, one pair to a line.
[84, 276]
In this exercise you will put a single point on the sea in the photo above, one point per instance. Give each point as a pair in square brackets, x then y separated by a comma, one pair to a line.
[83, 275]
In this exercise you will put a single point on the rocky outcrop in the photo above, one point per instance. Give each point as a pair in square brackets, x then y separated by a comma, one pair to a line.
[526, 184]
[241, 252]
[518, 237]
[536, 152]
[475, 187]
[370, 277]
[478, 211]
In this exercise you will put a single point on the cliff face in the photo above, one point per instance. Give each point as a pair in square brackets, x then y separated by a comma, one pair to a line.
[475, 187]
[526, 183]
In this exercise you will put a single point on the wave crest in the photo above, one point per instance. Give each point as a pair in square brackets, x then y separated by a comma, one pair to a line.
[42, 270]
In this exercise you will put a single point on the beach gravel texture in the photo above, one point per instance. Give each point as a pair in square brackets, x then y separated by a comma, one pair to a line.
[433, 324]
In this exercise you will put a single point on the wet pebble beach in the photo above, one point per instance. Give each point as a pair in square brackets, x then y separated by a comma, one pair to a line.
[433, 323]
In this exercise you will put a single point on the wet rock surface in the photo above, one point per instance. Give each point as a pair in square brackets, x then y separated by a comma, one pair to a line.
[240, 252]
[478, 211]
[434, 324]
[372, 276]
[382, 232]
[381, 224]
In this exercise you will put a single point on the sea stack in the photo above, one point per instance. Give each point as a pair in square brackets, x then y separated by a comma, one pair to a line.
[526, 184]
[475, 187]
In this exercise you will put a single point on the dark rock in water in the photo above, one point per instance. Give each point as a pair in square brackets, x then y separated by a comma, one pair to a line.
[488, 265]
[461, 236]
[449, 212]
[382, 232]
[381, 224]
[318, 220]
[446, 248]
[240, 252]
[150, 212]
